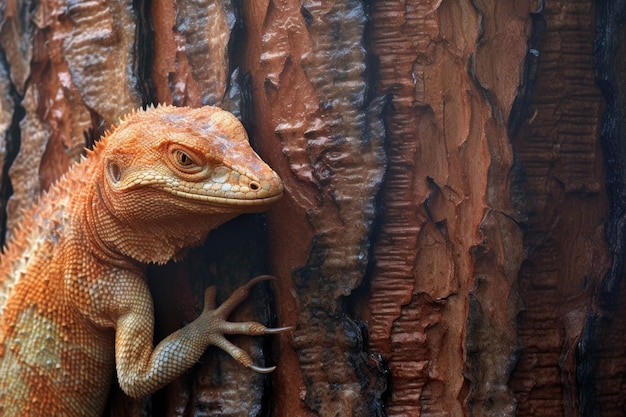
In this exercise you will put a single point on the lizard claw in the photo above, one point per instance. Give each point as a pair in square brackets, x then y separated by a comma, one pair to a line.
[236, 298]
[278, 330]
[220, 326]
[258, 279]
[262, 370]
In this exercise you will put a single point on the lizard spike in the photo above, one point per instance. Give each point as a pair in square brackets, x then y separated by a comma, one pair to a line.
[128, 115]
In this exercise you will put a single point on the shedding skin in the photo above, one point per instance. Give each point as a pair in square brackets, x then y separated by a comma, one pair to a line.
[74, 302]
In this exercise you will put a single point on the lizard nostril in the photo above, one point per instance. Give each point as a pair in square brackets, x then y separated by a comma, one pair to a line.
[254, 186]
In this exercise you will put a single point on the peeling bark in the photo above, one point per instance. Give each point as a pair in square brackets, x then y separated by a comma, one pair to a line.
[192, 56]
[451, 239]
[449, 247]
[99, 48]
[25, 167]
[330, 135]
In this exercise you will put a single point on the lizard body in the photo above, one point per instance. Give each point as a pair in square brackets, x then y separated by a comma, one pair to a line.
[74, 302]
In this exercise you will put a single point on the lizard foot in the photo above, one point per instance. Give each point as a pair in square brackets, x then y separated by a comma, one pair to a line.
[218, 325]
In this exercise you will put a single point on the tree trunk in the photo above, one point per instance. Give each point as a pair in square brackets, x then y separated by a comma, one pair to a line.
[451, 240]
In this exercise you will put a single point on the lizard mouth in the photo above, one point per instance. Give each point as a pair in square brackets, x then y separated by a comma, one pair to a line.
[232, 199]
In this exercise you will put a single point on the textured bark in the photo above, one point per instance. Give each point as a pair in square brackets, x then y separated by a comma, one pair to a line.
[565, 207]
[7, 152]
[191, 56]
[602, 364]
[444, 286]
[451, 241]
[330, 138]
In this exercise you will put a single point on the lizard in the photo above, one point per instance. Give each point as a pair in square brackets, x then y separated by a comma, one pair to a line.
[75, 308]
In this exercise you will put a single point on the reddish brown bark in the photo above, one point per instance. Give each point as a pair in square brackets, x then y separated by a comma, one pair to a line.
[565, 204]
[309, 83]
[451, 239]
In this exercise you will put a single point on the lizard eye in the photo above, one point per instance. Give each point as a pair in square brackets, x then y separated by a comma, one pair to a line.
[185, 162]
[183, 159]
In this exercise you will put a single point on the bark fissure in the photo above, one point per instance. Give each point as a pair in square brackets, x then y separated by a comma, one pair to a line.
[451, 237]
[601, 370]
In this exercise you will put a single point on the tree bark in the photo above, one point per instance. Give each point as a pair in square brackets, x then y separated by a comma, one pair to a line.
[451, 241]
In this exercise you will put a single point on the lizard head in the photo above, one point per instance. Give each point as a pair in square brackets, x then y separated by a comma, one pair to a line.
[199, 156]
[183, 171]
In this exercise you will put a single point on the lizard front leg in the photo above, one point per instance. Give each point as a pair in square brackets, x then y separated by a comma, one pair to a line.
[142, 370]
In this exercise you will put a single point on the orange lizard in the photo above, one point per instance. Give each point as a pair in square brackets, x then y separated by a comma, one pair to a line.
[74, 303]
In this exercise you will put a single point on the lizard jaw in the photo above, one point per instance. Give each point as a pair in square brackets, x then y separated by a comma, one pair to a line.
[235, 200]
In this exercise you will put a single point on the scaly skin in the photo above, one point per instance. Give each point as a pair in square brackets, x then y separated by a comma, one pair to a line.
[74, 304]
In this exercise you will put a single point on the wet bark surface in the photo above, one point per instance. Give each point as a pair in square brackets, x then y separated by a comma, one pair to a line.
[451, 238]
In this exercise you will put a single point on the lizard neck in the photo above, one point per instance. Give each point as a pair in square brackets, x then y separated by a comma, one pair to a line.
[116, 237]
[100, 228]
